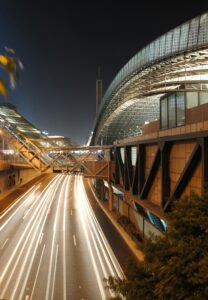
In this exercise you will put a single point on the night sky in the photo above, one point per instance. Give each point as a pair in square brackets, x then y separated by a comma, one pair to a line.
[61, 45]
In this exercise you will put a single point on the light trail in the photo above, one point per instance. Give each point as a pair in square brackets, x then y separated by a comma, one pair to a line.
[66, 195]
[39, 262]
[4, 244]
[105, 247]
[89, 221]
[45, 215]
[20, 240]
[33, 256]
[36, 277]
[16, 211]
[16, 202]
[74, 240]
[53, 284]
[110, 252]
[53, 243]
[26, 235]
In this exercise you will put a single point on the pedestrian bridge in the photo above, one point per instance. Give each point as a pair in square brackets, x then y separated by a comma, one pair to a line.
[46, 153]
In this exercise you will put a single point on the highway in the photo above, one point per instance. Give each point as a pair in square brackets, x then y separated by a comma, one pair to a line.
[52, 247]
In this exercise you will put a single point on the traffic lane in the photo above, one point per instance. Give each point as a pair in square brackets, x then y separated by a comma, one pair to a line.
[119, 246]
[20, 201]
[101, 257]
[76, 277]
[23, 250]
[14, 217]
[85, 283]
[42, 280]
[36, 256]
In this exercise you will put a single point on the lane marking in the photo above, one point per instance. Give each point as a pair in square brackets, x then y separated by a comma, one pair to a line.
[36, 242]
[25, 214]
[16, 202]
[47, 295]
[112, 259]
[14, 213]
[35, 215]
[34, 202]
[41, 237]
[64, 237]
[99, 280]
[4, 244]
[57, 248]
[74, 240]
[37, 271]
[51, 197]
[18, 208]
[89, 215]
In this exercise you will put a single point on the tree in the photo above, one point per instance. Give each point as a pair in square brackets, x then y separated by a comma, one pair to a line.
[176, 266]
[12, 65]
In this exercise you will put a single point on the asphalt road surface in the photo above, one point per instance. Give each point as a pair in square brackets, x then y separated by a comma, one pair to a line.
[52, 247]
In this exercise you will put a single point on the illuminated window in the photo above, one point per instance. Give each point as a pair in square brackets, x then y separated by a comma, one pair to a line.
[171, 111]
[203, 98]
[191, 99]
[180, 109]
[164, 114]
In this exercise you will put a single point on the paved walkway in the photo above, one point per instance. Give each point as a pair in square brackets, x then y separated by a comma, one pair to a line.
[113, 216]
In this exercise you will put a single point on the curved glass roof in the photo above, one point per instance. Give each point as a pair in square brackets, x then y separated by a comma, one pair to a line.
[165, 61]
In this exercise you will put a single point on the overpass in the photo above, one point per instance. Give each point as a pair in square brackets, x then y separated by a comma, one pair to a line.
[49, 153]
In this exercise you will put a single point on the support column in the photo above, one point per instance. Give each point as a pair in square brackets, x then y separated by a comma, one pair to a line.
[204, 149]
[110, 197]
[165, 149]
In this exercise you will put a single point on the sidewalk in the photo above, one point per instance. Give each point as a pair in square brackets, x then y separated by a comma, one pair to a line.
[113, 216]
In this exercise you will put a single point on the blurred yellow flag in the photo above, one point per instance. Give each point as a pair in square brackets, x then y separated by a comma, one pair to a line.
[3, 60]
[3, 88]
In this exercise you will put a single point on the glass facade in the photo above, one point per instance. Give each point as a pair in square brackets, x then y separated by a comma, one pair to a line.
[191, 99]
[180, 109]
[164, 113]
[192, 36]
[172, 107]
[172, 111]
[186, 36]
[196, 98]
[203, 98]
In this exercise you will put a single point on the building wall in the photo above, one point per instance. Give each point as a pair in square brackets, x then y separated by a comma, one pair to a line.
[150, 151]
[155, 191]
[162, 174]
[14, 177]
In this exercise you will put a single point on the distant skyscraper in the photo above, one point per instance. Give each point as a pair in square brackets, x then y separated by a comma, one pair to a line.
[99, 91]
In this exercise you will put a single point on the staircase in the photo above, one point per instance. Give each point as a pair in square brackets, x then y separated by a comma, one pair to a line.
[26, 148]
